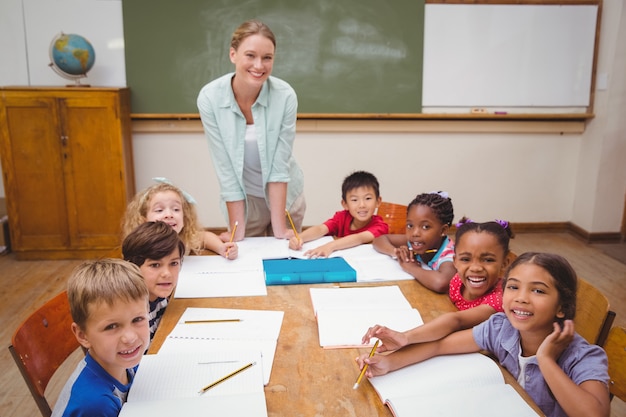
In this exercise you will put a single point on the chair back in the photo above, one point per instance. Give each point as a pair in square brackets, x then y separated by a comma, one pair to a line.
[394, 215]
[615, 348]
[41, 344]
[593, 316]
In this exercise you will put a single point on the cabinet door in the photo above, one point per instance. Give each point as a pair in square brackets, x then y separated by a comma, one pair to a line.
[33, 169]
[93, 166]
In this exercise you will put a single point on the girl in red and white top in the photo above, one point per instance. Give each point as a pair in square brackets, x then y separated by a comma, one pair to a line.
[481, 255]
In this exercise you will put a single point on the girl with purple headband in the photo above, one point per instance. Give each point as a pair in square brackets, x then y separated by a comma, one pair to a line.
[424, 251]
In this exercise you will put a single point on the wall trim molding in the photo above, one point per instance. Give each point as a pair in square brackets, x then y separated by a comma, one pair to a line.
[589, 237]
[560, 127]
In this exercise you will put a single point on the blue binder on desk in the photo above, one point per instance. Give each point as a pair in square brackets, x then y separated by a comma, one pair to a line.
[307, 271]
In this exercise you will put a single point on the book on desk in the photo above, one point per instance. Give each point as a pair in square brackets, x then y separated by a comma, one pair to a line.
[344, 314]
[213, 330]
[469, 384]
[174, 384]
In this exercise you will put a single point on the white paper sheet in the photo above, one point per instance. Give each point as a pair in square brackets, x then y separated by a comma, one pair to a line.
[214, 276]
[387, 297]
[442, 373]
[191, 346]
[171, 384]
[485, 401]
[371, 265]
[170, 376]
[258, 330]
[249, 405]
[345, 328]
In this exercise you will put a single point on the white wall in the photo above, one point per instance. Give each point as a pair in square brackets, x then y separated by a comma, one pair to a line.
[601, 178]
[520, 177]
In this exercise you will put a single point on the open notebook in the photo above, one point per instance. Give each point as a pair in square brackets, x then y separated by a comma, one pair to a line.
[344, 314]
[451, 386]
[256, 330]
[371, 265]
[173, 384]
[215, 276]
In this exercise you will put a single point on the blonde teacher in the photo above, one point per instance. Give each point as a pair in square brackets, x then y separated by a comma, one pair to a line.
[249, 118]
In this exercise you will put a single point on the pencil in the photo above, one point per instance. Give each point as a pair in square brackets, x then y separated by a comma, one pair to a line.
[232, 236]
[211, 321]
[292, 225]
[358, 380]
[230, 375]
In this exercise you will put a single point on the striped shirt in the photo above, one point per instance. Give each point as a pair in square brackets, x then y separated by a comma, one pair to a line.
[157, 308]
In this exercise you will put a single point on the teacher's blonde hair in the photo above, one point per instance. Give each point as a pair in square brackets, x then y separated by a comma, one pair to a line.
[249, 28]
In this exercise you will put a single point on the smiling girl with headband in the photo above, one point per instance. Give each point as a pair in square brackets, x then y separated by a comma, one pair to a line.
[424, 251]
[481, 256]
[167, 203]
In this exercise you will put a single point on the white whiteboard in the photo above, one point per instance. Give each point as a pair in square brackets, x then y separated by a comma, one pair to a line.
[507, 56]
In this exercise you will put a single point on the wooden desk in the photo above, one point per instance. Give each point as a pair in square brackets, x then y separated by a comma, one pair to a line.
[307, 380]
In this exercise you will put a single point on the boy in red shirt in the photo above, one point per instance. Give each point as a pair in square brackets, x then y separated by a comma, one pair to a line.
[355, 225]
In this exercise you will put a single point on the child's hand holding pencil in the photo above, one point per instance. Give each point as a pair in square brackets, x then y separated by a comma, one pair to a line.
[373, 365]
[231, 247]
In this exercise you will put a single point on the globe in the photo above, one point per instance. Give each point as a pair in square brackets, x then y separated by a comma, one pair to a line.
[71, 56]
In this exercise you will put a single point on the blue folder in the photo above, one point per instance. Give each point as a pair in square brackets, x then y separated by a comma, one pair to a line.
[307, 271]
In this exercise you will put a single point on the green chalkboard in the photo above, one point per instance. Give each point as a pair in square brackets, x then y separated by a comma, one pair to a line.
[341, 56]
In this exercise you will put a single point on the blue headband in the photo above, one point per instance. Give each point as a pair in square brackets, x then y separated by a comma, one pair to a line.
[187, 196]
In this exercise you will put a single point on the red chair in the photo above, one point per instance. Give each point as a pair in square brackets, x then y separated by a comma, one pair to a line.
[394, 215]
[41, 344]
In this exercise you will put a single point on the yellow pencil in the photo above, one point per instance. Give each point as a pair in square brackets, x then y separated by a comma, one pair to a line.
[358, 380]
[211, 321]
[232, 236]
[292, 225]
[212, 384]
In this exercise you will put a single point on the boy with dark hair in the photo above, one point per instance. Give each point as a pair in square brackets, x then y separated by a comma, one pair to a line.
[157, 250]
[355, 225]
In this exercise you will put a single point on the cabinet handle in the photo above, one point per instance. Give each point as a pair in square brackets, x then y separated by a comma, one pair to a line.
[64, 140]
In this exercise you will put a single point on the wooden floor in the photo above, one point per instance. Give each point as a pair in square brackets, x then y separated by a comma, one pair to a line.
[28, 284]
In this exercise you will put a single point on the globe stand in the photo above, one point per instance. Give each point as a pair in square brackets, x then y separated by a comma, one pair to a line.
[71, 57]
[75, 78]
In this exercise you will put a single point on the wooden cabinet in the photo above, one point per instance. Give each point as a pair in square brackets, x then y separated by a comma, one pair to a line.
[67, 169]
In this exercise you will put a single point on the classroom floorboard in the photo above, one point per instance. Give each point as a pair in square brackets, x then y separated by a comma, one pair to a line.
[28, 284]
